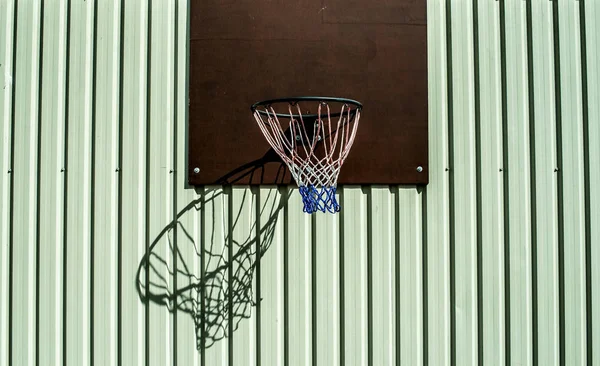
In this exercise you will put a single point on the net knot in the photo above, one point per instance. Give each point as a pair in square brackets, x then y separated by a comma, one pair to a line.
[319, 199]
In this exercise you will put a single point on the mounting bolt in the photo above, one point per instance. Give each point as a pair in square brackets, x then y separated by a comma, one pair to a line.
[419, 169]
[196, 170]
[297, 137]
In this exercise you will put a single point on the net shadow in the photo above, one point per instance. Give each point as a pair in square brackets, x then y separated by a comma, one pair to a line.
[215, 269]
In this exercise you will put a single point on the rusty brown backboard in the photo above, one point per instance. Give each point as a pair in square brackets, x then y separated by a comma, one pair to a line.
[244, 51]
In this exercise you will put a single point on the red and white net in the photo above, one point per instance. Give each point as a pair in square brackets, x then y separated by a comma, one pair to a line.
[314, 146]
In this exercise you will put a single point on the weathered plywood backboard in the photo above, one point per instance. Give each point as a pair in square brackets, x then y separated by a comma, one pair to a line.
[244, 51]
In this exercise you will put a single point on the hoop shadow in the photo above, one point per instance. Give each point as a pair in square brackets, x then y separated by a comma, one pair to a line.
[254, 171]
[214, 284]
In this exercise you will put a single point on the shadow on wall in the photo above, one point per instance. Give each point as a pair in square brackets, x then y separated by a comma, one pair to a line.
[214, 283]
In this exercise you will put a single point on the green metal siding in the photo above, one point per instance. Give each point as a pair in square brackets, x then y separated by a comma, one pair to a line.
[495, 262]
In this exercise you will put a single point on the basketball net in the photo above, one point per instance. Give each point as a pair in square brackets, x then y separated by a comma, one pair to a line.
[314, 147]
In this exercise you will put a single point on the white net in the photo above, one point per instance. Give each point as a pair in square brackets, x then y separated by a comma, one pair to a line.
[313, 146]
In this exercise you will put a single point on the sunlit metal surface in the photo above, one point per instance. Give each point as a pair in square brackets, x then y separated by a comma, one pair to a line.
[107, 257]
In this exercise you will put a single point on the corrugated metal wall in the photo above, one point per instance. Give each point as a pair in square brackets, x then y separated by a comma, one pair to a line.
[107, 257]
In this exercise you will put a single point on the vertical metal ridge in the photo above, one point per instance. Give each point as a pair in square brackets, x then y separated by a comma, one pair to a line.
[571, 181]
[545, 338]
[395, 194]
[66, 182]
[59, 169]
[451, 205]
[478, 186]
[202, 277]
[257, 229]
[452, 279]
[505, 168]
[147, 162]
[93, 174]
[419, 206]
[228, 191]
[587, 184]
[286, 277]
[50, 220]
[438, 310]
[174, 172]
[313, 286]
[424, 268]
[532, 182]
[11, 204]
[560, 185]
[38, 183]
[6, 182]
[120, 186]
[341, 268]
[369, 194]
[25, 213]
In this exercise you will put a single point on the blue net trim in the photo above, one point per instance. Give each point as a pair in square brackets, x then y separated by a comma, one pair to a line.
[319, 199]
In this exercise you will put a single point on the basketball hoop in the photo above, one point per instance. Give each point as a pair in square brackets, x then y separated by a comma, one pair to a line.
[313, 145]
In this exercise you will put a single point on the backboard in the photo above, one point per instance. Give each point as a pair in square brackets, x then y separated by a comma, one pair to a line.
[250, 50]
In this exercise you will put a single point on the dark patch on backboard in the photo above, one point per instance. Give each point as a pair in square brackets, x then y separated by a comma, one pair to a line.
[244, 51]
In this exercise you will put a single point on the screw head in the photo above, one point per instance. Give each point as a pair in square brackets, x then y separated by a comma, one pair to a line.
[419, 169]
[196, 170]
